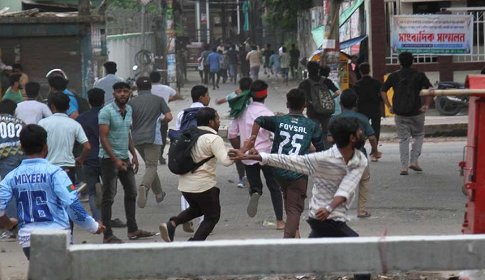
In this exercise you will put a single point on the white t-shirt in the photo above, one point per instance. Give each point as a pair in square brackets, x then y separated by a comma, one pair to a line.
[163, 91]
[62, 132]
[31, 111]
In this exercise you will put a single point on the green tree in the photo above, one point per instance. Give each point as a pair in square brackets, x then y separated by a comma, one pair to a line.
[283, 13]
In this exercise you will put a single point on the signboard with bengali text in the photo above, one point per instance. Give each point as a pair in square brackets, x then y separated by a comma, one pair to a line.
[432, 34]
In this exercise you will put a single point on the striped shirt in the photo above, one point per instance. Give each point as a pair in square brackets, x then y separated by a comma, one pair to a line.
[331, 177]
[119, 129]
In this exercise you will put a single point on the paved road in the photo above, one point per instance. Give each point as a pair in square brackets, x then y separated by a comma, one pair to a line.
[419, 204]
[429, 203]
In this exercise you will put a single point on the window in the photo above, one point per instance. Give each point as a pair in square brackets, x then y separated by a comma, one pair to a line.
[430, 7]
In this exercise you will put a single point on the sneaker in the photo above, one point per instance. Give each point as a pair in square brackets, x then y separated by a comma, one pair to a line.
[241, 184]
[253, 205]
[188, 227]
[8, 236]
[142, 196]
[117, 223]
[373, 158]
[161, 198]
[167, 231]
[99, 193]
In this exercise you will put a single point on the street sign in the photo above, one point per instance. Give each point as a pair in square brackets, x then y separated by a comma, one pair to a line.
[432, 34]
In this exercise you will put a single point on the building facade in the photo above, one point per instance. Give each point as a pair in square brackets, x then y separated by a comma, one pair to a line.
[437, 68]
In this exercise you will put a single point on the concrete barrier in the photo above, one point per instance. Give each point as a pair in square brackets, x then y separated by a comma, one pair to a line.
[53, 258]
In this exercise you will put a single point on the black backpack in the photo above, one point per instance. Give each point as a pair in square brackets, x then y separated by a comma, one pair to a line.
[320, 98]
[405, 97]
[189, 119]
[83, 104]
[179, 155]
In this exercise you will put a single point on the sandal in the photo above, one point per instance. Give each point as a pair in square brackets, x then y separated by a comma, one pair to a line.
[142, 234]
[112, 240]
[365, 215]
[404, 172]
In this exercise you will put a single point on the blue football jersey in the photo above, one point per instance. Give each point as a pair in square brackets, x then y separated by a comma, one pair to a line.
[45, 199]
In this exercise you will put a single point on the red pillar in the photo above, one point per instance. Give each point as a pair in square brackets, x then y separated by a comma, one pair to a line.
[446, 68]
[379, 44]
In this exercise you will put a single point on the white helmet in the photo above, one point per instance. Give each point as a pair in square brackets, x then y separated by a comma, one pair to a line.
[56, 71]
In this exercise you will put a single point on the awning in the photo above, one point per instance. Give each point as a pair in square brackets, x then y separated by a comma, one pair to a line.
[349, 43]
[344, 17]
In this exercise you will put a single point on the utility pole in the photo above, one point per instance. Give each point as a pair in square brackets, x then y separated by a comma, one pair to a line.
[332, 34]
[161, 38]
[331, 44]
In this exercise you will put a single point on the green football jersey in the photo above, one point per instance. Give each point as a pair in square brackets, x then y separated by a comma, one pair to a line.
[293, 135]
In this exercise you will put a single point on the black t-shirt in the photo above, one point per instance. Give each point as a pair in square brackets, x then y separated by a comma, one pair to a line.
[306, 87]
[295, 55]
[369, 91]
[420, 82]
[233, 56]
[267, 54]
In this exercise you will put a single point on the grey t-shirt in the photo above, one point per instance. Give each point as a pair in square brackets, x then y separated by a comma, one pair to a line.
[147, 108]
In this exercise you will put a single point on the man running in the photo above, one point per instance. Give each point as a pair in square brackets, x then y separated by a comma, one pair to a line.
[294, 134]
[336, 174]
[199, 187]
[242, 127]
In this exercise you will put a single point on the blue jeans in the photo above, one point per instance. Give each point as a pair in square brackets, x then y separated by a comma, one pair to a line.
[233, 72]
[27, 252]
[6, 165]
[92, 175]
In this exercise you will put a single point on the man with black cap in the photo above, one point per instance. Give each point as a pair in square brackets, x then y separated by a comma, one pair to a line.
[242, 126]
[147, 110]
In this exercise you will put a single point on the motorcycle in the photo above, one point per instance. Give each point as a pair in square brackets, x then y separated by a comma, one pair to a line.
[450, 105]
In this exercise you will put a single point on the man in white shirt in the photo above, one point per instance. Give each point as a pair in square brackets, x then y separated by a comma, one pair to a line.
[199, 187]
[169, 95]
[165, 92]
[62, 132]
[200, 98]
[255, 60]
[108, 81]
[336, 174]
[32, 111]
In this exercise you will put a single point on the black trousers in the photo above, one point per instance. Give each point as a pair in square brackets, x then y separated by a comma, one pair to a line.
[375, 121]
[163, 131]
[205, 204]
[253, 173]
[206, 74]
[331, 228]
[215, 83]
[110, 176]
